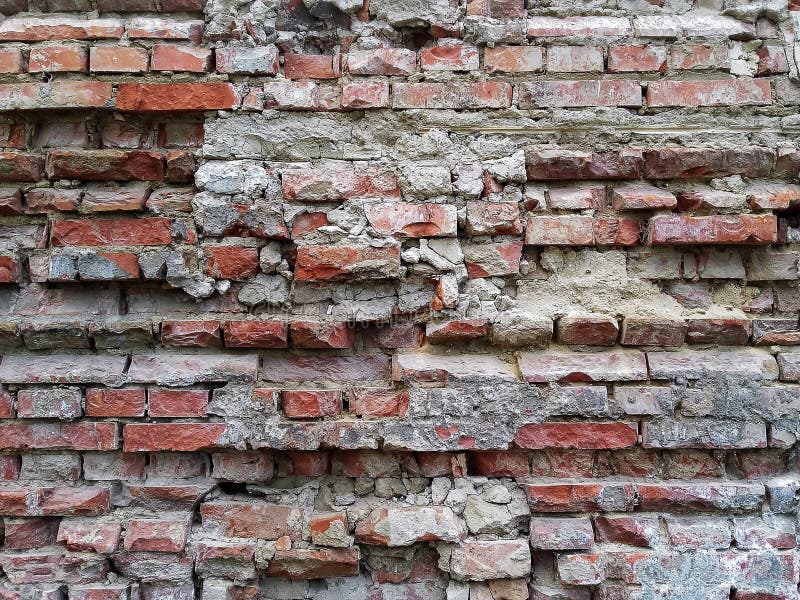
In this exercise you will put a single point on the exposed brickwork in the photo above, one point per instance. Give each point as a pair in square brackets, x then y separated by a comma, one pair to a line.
[399, 299]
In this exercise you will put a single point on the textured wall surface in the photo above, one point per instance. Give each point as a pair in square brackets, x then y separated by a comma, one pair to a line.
[399, 299]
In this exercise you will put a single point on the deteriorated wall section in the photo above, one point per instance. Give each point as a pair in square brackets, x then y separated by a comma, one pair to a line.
[399, 299]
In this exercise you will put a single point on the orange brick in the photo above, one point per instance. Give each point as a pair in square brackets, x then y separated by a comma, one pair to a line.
[111, 59]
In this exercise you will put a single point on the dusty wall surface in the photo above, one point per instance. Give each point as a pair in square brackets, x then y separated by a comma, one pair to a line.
[399, 299]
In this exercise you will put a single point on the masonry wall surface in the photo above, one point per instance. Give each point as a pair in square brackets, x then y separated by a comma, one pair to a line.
[399, 299]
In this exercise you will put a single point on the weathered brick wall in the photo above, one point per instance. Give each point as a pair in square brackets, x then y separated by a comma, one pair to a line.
[399, 299]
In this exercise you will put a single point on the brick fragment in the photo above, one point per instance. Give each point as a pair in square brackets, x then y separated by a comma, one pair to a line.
[627, 59]
[309, 66]
[165, 29]
[591, 366]
[547, 164]
[262, 60]
[155, 535]
[695, 163]
[16, 166]
[314, 563]
[449, 58]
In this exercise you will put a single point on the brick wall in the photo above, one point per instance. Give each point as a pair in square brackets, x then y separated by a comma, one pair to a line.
[399, 299]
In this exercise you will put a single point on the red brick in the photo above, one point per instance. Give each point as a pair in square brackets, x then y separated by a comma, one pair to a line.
[724, 332]
[299, 563]
[310, 464]
[83, 435]
[456, 332]
[509, 463]
[173, 6]
[321, 334]
[177, 403]
[583, 436]
[155, 536]
[118, 59]
[256, 334]
[30, 533]
[575, 59]
[231, 262]
[9, 269]
[15, 166]
[724, 92]
[7, 405]
[127, 6]
[56, 95]
[627, 59]
[44, 200]
[513, 59]
[54, 59]
[406, 219]
[191, 334]
[580, 497]
[178, 437]
[83, 501]
[699, 56]
[714, 229]
[248, 467]
[541, 367]
[308, 66]
[453, 95]
[112, 232]
[300, 404]
[59, 28]
[547, 164]
[449, 58]
[382, 61]
[181, 58]
[641, 197]
[115, 403]
[322, 185]
[334, 263]
[10, 465]
[108, 266]
[771, 61]
[588, 329]
[248, 61]
[700, 497]
[149, 28]
[560, 231]
[493, 218]
[258, 521]
[653, 332]
[365, 94]
[10, 201]
[497, 9]
[158, 97]
[11, 60]
[102, 165]
[378, 403]
[634, 531]
[584, 92]
[84, 536]
[685, 163]
[49, 403]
